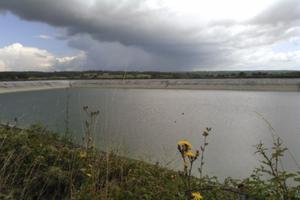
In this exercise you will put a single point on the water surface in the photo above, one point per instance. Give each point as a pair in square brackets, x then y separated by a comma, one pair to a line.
[146, 123]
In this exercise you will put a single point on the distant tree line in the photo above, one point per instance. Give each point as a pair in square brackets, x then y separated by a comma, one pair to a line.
[79, 75]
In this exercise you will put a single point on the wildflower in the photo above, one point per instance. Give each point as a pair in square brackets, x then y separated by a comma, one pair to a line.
[206, 132]
[196, 196]
[190, 154]
[82, 154]
[185, 143]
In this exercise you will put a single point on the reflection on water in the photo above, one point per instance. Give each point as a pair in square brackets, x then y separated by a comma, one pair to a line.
[148, 123]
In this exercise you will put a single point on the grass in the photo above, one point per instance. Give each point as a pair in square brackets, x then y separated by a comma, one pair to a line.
[38, 164]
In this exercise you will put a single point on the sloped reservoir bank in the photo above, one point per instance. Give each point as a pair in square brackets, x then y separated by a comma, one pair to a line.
[36, 163]
[195, 84]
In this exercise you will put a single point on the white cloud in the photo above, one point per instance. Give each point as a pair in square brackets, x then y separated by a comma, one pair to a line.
[44, 37]
[2, 66]
[217, 9]
[17, 57]
[261, 57]
[71, 62]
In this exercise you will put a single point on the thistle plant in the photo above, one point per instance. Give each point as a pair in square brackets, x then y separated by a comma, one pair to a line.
[67, 116]
[205, 134]
[188, 158]
[88, 153]
[90, 124]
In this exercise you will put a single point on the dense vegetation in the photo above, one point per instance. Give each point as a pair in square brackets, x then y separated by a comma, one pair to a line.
[15, 76]
[38, 164]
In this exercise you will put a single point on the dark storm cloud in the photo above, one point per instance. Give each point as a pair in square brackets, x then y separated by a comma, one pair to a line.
[129, 24]
[102, 55]
[126, 22]
[284, 11]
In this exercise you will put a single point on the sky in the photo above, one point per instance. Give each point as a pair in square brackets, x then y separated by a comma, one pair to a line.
[149, 35]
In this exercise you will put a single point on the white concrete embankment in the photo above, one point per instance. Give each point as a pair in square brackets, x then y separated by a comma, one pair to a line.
[196, 84]
[19, 86]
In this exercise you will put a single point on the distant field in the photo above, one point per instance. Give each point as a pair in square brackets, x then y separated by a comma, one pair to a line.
[88, 75]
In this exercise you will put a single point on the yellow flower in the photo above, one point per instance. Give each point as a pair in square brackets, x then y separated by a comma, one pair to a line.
[82, 154]
[88, 174]
[196, 196]
[190, 154]
[185, 142]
